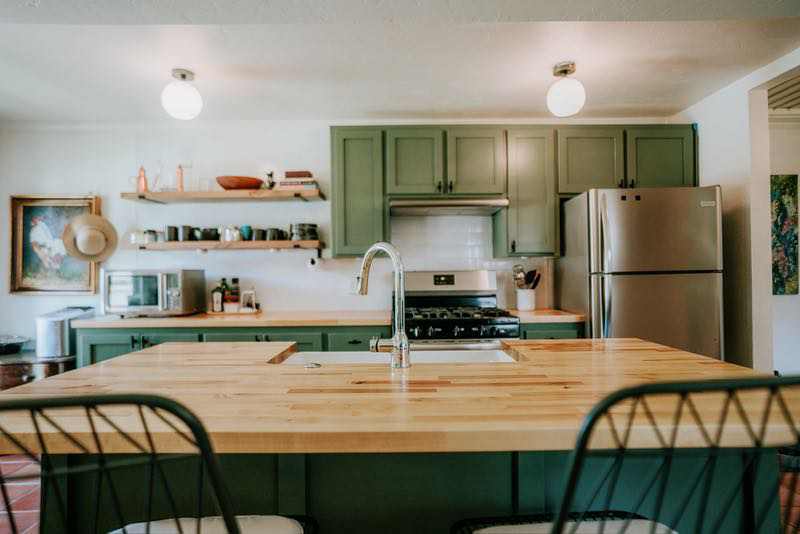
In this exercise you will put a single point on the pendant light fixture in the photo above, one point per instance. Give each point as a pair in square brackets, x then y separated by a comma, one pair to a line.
[180, 98]
[566, 96]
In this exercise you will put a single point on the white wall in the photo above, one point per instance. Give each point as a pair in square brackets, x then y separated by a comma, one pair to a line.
[725, 145]
[785, 159]
[77, 159]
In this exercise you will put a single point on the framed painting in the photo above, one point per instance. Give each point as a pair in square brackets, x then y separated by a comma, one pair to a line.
[39, 263]
[783, 196]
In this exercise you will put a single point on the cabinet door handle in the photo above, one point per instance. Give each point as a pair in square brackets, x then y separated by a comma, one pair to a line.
[450, 186]
[439, 186]
[133, 342]
[621, 184]
[264, 337]
[633, 183]
[145, 342]
[355, 342]
[513, 245]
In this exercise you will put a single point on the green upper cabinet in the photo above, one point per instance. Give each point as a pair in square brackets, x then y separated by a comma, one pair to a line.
[357, 199]
[414, 161]
[528, 226]
[476, 160]
[661, 156]
[590, 157]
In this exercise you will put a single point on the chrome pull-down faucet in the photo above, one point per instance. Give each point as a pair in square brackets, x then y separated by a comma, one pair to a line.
[399, 342]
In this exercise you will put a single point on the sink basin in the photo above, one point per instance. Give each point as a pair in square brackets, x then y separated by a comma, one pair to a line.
[418, 356]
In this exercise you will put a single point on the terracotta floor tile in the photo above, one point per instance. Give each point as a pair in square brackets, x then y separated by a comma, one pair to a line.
[28, 502]
[24, 520]
[17, 491]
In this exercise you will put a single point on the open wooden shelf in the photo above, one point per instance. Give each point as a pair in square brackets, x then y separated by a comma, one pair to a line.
[234, 245]
[257, 195]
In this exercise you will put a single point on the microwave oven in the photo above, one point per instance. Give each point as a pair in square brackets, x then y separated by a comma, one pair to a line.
[152, 293]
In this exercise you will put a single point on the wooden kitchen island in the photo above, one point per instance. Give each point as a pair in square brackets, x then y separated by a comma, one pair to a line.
[363, 449]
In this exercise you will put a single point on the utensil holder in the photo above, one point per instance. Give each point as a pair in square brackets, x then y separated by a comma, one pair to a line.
[526, 299]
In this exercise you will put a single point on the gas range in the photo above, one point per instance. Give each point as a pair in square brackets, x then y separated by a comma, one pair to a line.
[456, 310]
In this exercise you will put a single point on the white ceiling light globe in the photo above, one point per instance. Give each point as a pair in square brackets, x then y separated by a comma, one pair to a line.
[566, 97]
[181, 100]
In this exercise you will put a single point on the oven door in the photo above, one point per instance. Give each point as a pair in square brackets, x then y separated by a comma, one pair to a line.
[133, 292]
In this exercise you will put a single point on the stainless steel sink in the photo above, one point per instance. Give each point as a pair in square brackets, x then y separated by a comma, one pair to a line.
[420, 356]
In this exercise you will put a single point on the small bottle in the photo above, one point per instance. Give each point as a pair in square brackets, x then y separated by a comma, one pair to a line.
[232, 297]
[218, 297]
[141, 182]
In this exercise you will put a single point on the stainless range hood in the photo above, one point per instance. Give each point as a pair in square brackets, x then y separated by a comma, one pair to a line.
[446, 206]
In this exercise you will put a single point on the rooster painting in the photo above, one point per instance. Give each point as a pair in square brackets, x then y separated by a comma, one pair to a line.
[41, 263]
[47, 247]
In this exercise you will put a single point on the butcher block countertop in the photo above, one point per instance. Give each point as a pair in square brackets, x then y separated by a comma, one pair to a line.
[295, 318]
[536, 403]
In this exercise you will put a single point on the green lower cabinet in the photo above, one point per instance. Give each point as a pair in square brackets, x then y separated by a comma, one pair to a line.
[552, 331]
[95, 346]
[152, 339]
[350, 342]
[425, 493]
[305, 341]
[233, 336]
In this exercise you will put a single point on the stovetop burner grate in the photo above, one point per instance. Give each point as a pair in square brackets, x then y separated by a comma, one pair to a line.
[460, 312]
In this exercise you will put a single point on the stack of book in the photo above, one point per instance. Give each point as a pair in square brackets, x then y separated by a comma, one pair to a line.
[296, 181]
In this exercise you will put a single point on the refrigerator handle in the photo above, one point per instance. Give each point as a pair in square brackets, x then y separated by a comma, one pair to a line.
[603, 222]
[601, 308]
[606, 308]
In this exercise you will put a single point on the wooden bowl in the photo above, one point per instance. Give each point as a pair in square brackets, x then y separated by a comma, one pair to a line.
[239, 182]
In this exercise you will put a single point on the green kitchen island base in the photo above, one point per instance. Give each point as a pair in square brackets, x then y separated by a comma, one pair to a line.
[410, 493]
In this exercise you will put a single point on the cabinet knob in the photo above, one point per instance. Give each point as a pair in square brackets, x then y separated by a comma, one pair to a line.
[621, 184]
[513, 245]
[439, 186]
[633, 183]
[354, 342]
[450, 187]
[133, 342]
[145, 342]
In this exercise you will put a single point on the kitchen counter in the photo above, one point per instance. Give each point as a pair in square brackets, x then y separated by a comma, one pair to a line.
[250, 406]
[295, 319]
[548, 316]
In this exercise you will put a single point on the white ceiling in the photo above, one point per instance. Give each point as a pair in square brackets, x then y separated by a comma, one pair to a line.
[374, 70]
[350, 11]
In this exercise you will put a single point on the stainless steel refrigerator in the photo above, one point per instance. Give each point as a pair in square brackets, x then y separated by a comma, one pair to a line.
[645, 263]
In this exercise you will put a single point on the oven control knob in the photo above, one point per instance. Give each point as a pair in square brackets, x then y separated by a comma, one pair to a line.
[415, 332]
[492, 331]
[457, 331]
[430, 331]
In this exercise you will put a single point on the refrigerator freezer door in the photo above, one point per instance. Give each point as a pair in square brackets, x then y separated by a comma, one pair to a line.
[679, 310]
[655, 230]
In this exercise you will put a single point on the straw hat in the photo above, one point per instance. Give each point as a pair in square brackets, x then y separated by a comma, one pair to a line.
[89, 238]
